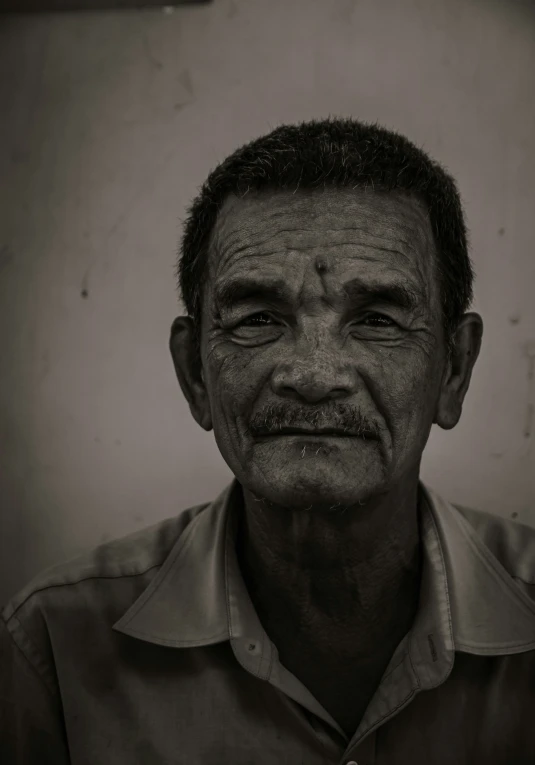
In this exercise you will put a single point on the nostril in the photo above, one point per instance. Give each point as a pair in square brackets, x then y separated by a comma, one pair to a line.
[313, 392]
[312, 384]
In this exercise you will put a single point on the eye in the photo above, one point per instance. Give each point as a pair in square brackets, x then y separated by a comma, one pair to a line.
[379, 320]
[256, 320]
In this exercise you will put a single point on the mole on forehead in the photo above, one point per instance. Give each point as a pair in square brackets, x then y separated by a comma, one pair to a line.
[321, 265]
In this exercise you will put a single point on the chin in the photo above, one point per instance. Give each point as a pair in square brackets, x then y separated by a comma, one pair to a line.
[317, 490]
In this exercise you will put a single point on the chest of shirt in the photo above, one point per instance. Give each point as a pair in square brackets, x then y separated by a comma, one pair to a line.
[198, 706]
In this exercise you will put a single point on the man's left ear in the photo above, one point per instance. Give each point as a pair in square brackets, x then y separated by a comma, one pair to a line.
[188, 368]
[459, 370]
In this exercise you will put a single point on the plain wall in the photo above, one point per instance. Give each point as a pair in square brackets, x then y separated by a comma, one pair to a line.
[111, 121]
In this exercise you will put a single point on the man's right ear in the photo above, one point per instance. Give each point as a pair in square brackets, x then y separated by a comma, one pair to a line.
[189, 371]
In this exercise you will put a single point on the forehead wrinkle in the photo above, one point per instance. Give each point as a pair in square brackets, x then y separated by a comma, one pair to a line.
[330, 213]
[228, 249]
[224, 246]
[328, 220]
[230, 232]
[414, 279]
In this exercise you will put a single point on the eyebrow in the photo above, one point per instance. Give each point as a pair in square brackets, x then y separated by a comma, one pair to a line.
[237, 291]
[396, 293]
[245, 289]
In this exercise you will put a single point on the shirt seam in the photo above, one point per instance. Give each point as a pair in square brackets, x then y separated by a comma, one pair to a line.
[486, 554]
[308, 714]
[446, 587]
[222, 636]
[50, 691]
[479, 535]
[377, 724]
[79, 581]
[402, 659]
[495, 646]
[166, 567]
[521, 579]
[257, 672]
[493, 564]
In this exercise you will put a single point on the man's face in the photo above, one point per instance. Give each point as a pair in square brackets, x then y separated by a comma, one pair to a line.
[322, 311]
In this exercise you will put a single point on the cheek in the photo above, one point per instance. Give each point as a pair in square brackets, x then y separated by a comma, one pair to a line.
[408, 390]
[235, 380]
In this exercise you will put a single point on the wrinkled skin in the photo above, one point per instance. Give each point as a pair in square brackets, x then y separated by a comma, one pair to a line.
[329, 543]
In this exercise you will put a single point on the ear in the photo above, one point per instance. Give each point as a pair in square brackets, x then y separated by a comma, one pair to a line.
[459, 371]
[188, 368]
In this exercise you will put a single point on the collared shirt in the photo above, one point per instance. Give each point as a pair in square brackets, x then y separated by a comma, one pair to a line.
[148, 651]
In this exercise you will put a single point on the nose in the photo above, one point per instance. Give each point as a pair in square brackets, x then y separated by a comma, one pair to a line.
[315, 377]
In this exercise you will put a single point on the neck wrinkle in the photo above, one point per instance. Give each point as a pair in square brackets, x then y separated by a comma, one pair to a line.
[372, 593]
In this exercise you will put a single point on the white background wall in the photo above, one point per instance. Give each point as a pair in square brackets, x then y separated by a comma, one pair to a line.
[110, 123]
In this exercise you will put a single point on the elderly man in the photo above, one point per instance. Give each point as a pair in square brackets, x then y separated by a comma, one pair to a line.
[327, 607]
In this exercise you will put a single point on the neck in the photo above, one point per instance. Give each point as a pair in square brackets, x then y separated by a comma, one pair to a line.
[345, 579]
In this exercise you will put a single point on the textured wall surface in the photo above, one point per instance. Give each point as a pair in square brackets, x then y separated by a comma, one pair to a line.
[110, 123]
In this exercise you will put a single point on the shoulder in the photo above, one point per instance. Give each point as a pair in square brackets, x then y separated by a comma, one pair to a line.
[134, 556]
[77, 602]
[511, 543]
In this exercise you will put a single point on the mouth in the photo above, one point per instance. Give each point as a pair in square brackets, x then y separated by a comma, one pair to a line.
[318, 433]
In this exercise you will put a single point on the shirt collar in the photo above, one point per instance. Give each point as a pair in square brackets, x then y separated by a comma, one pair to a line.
[490, 613]
[468, 601]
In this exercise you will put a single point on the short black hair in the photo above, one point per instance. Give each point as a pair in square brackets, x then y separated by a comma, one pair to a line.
[334, 152]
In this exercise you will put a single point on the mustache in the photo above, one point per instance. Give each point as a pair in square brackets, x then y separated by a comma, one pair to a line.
[275, 417]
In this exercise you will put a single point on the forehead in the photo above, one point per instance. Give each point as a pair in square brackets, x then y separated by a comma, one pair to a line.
[343, 226]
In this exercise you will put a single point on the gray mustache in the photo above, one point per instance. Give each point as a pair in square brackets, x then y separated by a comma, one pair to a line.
[275, 417]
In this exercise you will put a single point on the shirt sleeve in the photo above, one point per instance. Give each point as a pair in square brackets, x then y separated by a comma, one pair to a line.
[31, 719]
